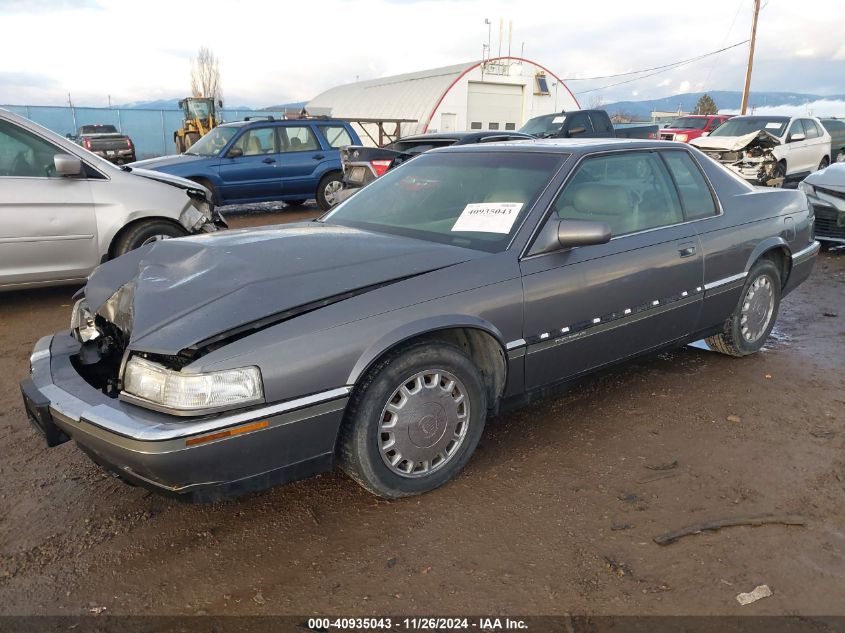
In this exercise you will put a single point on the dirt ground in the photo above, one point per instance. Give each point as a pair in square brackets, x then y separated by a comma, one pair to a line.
[555, 513]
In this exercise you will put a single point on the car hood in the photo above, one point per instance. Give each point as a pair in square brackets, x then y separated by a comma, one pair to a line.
[176, 181]
[832, 177]
[760, 138]
[176, 294]
[167, 161]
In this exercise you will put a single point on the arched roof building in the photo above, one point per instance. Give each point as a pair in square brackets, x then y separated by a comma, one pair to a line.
[499, 93]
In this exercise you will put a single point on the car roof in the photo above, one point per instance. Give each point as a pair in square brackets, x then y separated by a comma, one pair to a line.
[562, 145]
[274, 121]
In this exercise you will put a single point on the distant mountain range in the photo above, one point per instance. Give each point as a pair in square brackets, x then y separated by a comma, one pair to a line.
[725, 100]
[171, 104]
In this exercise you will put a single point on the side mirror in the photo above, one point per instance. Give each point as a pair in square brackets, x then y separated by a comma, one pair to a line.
[235, 152]
[67, 165]
[69, 135]
[796, 137]
[577, 130]
[220, 103]
[569, 234]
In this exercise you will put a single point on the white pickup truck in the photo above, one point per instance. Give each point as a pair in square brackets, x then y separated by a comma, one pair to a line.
[768, 150]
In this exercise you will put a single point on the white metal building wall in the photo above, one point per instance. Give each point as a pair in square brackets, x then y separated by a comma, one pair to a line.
[494, 106]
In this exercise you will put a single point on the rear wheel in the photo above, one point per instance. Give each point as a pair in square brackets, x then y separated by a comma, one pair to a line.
[146, 232]
[414, 421]
[329, 189]
[747, 329]
[190, 139]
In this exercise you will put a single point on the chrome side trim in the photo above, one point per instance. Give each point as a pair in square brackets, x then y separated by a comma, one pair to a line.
[514, 344]
[724, 281]
[807, 252]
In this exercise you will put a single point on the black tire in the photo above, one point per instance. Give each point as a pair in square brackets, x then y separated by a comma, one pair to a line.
[731, 340]
[361, 436]
[295, 203]
[142, 232]
[824, 164]
[332, 178]
[190, 139]
[180, 144]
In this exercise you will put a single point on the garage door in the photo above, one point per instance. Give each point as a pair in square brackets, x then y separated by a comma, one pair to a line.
[494, 106]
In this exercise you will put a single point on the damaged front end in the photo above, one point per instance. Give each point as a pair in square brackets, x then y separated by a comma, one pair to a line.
[751, 157]
[201, 216]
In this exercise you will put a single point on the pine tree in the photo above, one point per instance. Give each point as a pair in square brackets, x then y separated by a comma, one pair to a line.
[706, 105]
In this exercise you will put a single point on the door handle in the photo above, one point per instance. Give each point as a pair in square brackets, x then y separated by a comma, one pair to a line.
[686, 250]
[269, 161]
[318, 157]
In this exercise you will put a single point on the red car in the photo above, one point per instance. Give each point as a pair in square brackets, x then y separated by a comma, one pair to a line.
[686, 128]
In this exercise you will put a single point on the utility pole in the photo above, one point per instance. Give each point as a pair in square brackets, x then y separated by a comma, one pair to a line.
[750, 57]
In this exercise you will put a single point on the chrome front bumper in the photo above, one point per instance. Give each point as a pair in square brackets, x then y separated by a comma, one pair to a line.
[202, 458]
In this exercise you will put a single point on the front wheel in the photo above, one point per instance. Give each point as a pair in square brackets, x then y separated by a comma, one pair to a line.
[146, 232]
[414, 421]
[824, 164]
[747, 329]
[328, 191]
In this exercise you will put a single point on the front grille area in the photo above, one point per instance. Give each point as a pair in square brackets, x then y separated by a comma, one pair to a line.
[827, 225]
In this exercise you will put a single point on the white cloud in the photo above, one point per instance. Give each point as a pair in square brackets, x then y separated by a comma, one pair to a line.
[273, 52]
[821, 108]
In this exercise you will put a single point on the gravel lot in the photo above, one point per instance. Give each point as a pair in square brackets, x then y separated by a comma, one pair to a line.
[556, 512]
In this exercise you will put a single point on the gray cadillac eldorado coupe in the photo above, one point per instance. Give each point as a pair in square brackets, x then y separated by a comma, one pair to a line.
[381, 336]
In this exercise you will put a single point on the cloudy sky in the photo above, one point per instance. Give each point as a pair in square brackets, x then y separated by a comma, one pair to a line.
[276, 52]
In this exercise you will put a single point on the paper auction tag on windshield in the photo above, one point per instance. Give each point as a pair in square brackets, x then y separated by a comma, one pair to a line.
[488, 217]
[773, 126]
[559, 119]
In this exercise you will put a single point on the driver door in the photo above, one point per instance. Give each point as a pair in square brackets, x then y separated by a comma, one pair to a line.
[255, 173]
[48, 226]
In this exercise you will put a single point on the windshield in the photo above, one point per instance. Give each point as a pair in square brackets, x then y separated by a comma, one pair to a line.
[543, 125]
[741, 126]
[212, 143]
[688, 123]
[470, 199]
[419, 146]
[198, 109]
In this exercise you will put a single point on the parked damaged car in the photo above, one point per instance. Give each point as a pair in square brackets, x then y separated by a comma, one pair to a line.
[381, 336]
[66, 210]
[768, 150]
[825, 190]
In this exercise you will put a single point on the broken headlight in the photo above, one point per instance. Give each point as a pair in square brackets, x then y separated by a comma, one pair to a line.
[806, 188]
[82, 323]
[185, 393]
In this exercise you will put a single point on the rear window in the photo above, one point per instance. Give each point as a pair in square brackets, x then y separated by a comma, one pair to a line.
[336, 135]
[696, 197]
[418, 146]
[469, 199]
[99, 129]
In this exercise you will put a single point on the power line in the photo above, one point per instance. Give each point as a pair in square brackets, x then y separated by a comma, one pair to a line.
[659, 69]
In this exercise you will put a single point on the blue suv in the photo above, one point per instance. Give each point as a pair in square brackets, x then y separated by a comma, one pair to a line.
[263, 160]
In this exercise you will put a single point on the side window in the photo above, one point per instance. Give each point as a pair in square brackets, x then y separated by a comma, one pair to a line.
[578, 120]
[24, 155]
[257, 141]
[601, 124]
[696, 196]
[631, 192]
[810, 128]
[795, 128]
[336, 135]
[298, 139]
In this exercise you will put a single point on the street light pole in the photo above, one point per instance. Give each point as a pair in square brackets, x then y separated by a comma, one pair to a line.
[750, 58]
